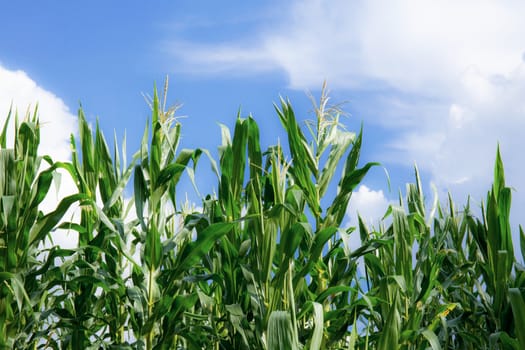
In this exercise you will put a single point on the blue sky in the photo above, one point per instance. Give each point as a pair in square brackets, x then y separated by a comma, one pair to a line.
[435, 83]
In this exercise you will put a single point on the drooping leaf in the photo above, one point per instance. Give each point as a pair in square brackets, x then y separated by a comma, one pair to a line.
[47, 223]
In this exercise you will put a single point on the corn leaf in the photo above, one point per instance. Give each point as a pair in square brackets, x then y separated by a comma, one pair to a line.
[518, 310]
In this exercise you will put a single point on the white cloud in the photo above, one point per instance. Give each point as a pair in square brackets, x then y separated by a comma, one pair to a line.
[57, 123]
[371, 205]
[450, 76]
[408, 44]
[460, 149]
[217, 59]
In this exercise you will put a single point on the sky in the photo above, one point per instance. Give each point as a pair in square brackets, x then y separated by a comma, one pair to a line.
[437, 84]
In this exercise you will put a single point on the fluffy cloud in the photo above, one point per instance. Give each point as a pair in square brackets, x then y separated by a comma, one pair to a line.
[18, 90]
[57, 122]
[371, 205]
[458, 146]
[450, 77]
[408, 44]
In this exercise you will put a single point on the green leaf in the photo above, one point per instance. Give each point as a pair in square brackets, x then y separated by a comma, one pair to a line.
[183, 303]
[353, 157]
[389, 336]
[339, 145]
[121, 185]
[317, 335]
[194, 251]
[518, 310]
[45, 178]
[303, 163]
[155, 156]
[3, 135]
[168, 173]
[318, 244]
[254, 148]
[348, 183]
[499, 173]
[48, 222]
[8, 203]
[86, 142]
[141, 192]
[239, 143]
[152, 248]
[280, 334]
[291, 239]
[184, 158]
[432, 339]
[522, 243]
[332, 291]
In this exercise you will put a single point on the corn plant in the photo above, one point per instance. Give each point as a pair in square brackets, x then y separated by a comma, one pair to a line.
[264, 264]
[500, 294]
[444, 279]
[24, 183]
[408, 307]
[97, 269]
[283, 264]
[163, 294]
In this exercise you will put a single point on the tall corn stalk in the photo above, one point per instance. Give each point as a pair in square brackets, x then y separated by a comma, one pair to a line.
[97, 270]
[283, 263]
[163, 292]
[23, 228]
[445, 279]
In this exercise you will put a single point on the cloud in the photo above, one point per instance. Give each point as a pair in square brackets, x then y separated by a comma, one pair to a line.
[447, 77]
[219, 59]
[371, 205]
[18, 90]
[360, 43]
[57, 122]
[459, 149]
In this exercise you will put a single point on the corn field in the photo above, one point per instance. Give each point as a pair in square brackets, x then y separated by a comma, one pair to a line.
[263, 263]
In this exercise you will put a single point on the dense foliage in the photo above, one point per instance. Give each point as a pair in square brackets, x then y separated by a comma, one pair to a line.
[263, 265]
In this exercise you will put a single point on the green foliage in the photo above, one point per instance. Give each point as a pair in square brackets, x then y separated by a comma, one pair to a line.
[265, 263]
